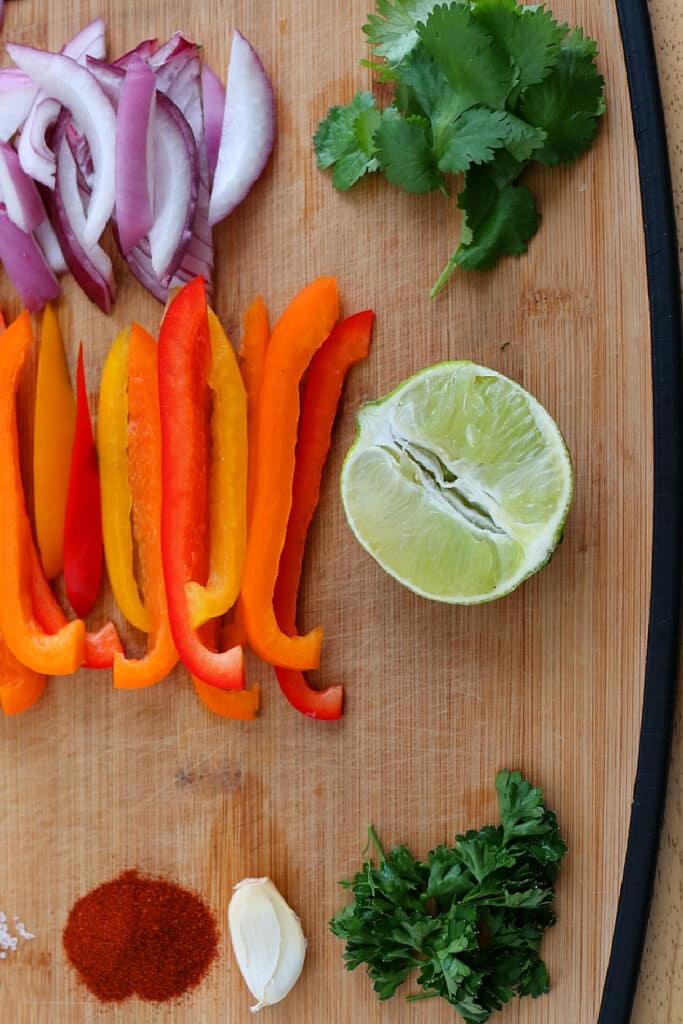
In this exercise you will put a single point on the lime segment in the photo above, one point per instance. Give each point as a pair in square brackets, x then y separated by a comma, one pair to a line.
[458, 483]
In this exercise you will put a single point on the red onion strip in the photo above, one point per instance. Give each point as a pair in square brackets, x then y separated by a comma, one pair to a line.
[134, 153]
[213, 102]
[18, 192]
[26, 264]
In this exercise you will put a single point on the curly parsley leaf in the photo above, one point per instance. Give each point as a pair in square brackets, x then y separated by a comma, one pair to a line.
[568, 103]
[392, 32]
[478, 70]
[405, 153]
[469, 921]
[343, 140]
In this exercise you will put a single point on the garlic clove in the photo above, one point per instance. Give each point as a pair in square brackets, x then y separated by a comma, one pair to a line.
[267, 938]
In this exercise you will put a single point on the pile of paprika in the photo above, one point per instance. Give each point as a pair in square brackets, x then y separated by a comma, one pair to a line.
[139, 935]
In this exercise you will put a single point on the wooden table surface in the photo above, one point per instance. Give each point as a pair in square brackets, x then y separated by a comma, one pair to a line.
[660, 992]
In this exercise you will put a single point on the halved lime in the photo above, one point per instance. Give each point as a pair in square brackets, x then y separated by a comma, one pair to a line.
[458, 483]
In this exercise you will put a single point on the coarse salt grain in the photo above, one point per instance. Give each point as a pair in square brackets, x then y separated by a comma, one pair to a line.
[9, 941]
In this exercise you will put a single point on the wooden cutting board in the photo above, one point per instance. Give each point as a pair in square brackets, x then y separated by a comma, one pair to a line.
[549, 680]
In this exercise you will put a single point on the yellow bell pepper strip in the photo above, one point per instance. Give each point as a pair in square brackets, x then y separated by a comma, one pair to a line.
[144, 480]
[20, 687]
[117, 501]
[51, 654]
[227, 484]
[347, 344]
[252, 358]
[53, 434]
[184, 355]
[297, 335]
[83, 547]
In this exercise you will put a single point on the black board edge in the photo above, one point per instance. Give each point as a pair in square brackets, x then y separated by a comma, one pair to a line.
[661, 664]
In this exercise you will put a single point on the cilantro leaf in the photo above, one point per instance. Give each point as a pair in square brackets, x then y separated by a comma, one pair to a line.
[475, 66]
[405, 154]
[343, 140]
[531, 38]
[568, 103]
[473, 138]
[392, 32]
[522, 139]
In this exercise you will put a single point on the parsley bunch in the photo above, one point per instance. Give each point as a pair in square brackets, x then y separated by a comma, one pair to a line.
[471, 919]
[481, 87]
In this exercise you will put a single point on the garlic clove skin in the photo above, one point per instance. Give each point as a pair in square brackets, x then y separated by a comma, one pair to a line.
[268, 940]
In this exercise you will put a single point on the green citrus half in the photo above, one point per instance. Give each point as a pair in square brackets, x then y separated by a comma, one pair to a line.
[458, 483]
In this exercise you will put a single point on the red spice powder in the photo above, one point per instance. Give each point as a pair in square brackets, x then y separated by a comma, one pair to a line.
[140, 935]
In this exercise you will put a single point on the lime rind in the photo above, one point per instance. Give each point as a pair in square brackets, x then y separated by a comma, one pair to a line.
[458, 483]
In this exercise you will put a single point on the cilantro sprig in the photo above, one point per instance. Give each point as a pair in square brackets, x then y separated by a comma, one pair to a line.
[481, 88]
[470, 919]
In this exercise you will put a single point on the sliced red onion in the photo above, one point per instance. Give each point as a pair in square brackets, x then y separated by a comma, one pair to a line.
[139, 262]
[176, 179]
[90, 265]
[213, 103]
[145, 49]
[177, 44]
[248, 131]
[77, 89]
[26, 264]
[17, 93]
[52, 250]
[37, 158]
[182, 73]
[80, 151]
[134, 153]
[19, 194]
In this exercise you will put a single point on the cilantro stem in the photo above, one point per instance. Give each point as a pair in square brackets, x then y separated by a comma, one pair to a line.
[443, 277]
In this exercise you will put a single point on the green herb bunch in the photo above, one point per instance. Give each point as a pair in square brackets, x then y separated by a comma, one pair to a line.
[470, 920]
[481, 87]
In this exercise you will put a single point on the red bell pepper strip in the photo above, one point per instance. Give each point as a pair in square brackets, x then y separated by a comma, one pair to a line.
[52, 654]
[83, 546]
[184, 367]
[347, 344]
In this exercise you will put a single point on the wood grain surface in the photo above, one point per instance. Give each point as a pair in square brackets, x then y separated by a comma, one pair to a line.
[549, 680]
[660, 992]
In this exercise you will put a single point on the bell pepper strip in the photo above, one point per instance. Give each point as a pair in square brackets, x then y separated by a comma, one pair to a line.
[297, 335]
[100, 647]
[20, 687]
[53, 435]
[184, 355]
[347, 344]
[117, 501]
[144, 478]
[83, 547]
[51, 654]
[227, 484]
[252, 357]
[240, 705]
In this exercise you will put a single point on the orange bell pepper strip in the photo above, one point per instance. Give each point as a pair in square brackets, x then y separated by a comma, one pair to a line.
[83, 545]
[184, 355]
[53, 435]
[20, 687]
[100, 647]
[297, 335]
[117, 501]
[144, 481]
[252, 358]
[51, 654]
[240, 705]
[347, 344]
